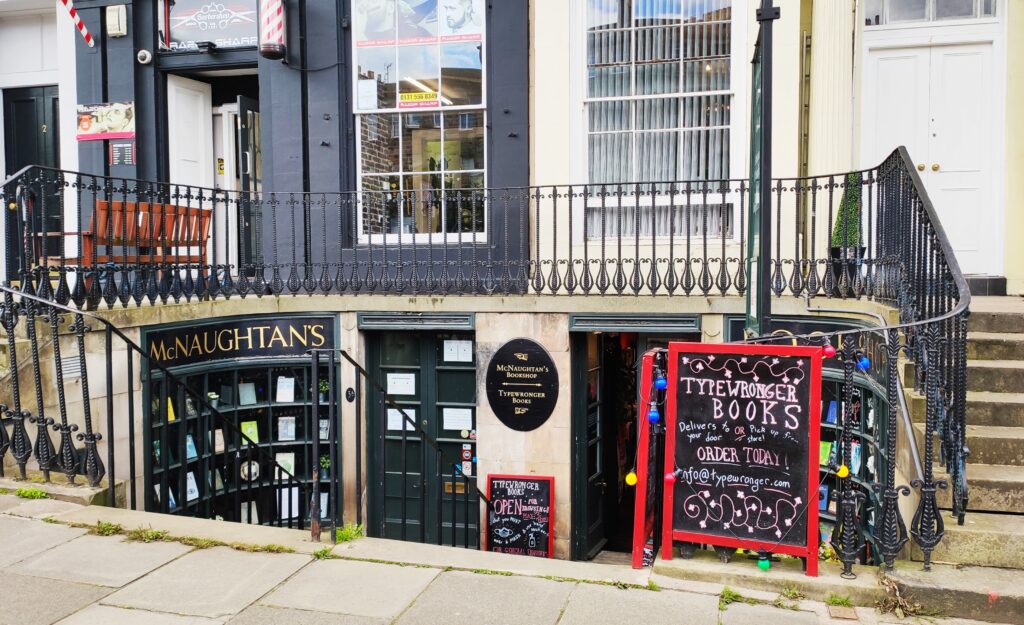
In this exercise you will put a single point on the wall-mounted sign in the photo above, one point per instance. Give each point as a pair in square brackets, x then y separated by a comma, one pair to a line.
[741, 422]
[224, 23]
[521, 516]
[111, 120]
[254, 337]
[522, 384]
[122, 153]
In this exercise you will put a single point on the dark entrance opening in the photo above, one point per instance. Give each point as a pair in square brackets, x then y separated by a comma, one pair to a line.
[605, 381]
[31, 137]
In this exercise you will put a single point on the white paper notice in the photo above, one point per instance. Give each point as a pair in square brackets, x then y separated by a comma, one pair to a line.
[285, 390]
[458, 351]
[396, 420]
[366, 94]
[457, 419]
[401, 384]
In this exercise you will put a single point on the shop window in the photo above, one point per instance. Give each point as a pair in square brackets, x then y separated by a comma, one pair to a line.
[420, 106]
[881, 12]
[185, 24]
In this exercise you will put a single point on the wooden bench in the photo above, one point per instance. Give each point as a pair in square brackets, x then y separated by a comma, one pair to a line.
[127, 233]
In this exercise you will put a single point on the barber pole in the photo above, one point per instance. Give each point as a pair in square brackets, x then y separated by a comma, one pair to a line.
[69, 5]
[272, 29]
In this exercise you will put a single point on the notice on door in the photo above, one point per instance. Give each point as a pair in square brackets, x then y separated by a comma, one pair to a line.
[522, 384]
[521, 515]
[741, 421]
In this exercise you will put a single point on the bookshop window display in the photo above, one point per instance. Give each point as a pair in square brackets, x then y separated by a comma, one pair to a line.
[228, 467]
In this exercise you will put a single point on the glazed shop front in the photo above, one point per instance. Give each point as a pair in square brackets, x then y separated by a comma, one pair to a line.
[250, 461]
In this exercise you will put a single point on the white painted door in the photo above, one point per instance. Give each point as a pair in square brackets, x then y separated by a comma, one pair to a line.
[939, 101]
[189, 132]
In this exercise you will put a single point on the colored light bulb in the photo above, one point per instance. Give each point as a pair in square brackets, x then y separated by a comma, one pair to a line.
[830, 351]
[670, 478]
[660, 383]
[863, 363]
[631, 479]
[653, 416]
[764, 564]
[843, 471]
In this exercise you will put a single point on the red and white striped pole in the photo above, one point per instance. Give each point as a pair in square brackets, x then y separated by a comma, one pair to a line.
[69, 5]
[273, 42]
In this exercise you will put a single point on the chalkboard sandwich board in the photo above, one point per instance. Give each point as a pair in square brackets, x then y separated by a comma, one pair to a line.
[742, 441]
[521, 515]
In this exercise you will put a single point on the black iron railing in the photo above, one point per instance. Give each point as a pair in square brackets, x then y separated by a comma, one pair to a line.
[97, 432]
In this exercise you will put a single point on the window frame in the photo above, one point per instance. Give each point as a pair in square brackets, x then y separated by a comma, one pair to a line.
[739, 90]
[426, 238]
[930, 21]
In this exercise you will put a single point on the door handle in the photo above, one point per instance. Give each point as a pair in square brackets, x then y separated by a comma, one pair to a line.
[601, 483]
[920, 167]
[935, 167]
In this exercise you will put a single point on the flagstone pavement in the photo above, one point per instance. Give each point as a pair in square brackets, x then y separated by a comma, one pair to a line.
[53, 573]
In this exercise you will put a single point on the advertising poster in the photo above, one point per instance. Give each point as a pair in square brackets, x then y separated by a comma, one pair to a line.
[411, 22]
[112, 120]
[227, 24]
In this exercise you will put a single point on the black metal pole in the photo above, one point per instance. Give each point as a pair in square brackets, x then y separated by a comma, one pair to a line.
[766, 15]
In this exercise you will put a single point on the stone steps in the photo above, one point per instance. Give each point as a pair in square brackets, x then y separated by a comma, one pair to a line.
[995, 346]
[983, 408]
[996, 376]
[989, 444]
[995, 321]
[985, 539]
[991, 488]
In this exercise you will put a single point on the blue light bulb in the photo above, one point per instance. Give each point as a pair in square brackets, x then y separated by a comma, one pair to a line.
[660, 383]
[653, 416]
[863, 363]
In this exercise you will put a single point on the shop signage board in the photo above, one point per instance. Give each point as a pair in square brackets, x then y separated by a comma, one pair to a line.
[520, 518]
[522, 384]
[742, 421]
[226, 24]
[253, 337]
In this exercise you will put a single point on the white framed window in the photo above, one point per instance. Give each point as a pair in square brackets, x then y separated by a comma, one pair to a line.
[420, 108]
[662, 102]
[883, 12]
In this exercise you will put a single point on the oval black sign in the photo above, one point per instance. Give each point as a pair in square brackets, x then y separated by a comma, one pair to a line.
[522, 384]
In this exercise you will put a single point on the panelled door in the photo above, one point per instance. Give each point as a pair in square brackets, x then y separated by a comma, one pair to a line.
[432, 377]
[939, 101]
[250, 173]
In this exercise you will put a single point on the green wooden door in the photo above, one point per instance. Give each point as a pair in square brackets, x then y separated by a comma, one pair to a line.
[414, 496]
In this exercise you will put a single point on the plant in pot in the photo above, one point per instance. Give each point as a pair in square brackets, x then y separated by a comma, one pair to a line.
[325, 467]
[847, 242]
[324, 389]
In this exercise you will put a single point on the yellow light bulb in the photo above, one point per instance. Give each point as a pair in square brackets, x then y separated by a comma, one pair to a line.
[631, 479]
[843, 471]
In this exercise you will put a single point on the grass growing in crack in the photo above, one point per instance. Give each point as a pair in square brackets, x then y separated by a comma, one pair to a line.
[102, 528]
[651, 585]
[840, 600]
[348, 533]
[6, 491]
[146, 535]
[324, 554]
[728, 595]
[199, 543]
[271, 548]
[783, 604]
[31, 493]
[792, 593]
[490, 572]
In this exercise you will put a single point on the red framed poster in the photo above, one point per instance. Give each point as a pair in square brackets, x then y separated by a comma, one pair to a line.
[742, 436]
[521, 515]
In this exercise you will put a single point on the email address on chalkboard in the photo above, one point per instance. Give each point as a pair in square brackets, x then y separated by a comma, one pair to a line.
[711, 477]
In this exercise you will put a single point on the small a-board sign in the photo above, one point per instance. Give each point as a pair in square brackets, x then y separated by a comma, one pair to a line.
[742, 422]
[522, 384]
[520, 518]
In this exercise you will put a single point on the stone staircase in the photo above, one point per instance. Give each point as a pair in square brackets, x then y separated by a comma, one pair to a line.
[993, 532]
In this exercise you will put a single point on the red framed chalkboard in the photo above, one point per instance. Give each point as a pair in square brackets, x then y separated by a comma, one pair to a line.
[646, 471]
[742, 436]
[521, 515]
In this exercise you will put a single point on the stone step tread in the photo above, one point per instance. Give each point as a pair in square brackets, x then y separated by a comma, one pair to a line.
[996, 336]
[997, 304]
[990, 523]
[981, 396]
[996, 364]
[991, 473]
[987, 431]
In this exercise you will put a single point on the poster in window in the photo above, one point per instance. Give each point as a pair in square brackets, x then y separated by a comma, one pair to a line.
[110, 120]
[461, 20]
[224, 23]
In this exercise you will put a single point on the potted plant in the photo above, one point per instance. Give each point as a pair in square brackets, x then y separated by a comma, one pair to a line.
[325, 467]
[847, 243]
[324, 387]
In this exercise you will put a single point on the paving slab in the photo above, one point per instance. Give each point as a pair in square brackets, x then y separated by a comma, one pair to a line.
[213, 583]
[175, 525]
[101, 561]
[460, 598]
[759, 614]
[24, 537]
[42, 508]
[107, 615]
[267, 615]
[32, 601]
[471, 559]
[356, 588]
[7, 502]
[591, 604]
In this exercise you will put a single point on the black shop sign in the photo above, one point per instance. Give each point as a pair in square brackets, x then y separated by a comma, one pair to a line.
[522, 384]
[251, 337]
[520, 517]
[742, 427]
